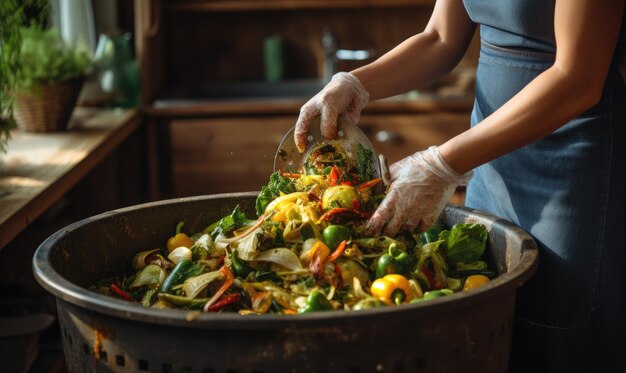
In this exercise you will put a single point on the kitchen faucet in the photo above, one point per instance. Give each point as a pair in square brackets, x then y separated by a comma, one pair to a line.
[332, 54]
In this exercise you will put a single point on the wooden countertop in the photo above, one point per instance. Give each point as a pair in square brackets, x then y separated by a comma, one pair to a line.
[39, 168]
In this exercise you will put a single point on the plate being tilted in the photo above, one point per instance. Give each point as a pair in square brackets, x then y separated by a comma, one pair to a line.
[289, 160]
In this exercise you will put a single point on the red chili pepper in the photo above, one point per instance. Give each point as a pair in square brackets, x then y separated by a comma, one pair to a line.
[368, 185]
[226, 301]
[431, 278]
[229, 278]
[341, 215]
[338, 251]
[334, 176]
[117, 290]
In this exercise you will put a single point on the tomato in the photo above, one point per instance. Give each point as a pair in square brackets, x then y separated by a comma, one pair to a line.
[339, 196]
[334, 234]
[474, 281]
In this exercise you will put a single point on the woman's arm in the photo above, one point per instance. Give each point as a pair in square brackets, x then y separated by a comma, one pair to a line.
[586, 32]
[424, 58]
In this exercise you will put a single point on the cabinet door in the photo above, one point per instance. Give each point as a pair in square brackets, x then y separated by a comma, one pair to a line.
[224, 154]
[398, 136]
[237, 154]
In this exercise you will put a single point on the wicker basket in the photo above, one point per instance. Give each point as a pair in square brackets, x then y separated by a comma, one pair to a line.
[48, 107]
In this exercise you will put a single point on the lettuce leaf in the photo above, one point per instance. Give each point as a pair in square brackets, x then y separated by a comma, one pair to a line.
[465, 242]
[230, 223]
[275, 186]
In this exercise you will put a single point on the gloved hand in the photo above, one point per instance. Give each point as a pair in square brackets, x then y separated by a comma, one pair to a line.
[344, 95]
[421, 184]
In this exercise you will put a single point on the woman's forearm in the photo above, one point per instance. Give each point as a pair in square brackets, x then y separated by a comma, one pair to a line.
[544, 105]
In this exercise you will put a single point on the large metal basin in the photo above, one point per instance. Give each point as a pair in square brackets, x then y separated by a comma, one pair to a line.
[464, 332]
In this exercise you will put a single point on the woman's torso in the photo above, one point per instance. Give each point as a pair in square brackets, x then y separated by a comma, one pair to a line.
[567, 189]
[525, 24]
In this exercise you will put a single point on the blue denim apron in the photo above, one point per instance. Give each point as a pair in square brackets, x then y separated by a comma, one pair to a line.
[567, 190]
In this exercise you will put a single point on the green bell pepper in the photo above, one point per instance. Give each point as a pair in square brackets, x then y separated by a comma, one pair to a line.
[176, 276]
[368, 303]
[239, 267]
[395, 261]
[180, 301]
[432, 234]
[316, 302]
[334, 234]
[432, 295]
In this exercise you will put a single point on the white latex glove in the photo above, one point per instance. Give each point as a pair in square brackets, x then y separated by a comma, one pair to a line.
[421, 185]
[344, 95]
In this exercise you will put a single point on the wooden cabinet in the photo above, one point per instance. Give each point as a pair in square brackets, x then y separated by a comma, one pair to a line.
[224, 154]
[220, 155]
[397, 136]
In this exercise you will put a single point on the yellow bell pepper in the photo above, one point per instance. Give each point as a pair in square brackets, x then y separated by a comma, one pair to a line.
[179, 239]
[392, 289]
[279, 202]
[281, 215]
[474, 281]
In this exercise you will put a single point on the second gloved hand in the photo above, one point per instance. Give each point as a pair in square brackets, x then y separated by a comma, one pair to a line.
[343, 95]
[421, 184]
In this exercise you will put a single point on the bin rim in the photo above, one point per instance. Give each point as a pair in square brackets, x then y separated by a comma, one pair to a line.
[77, 295]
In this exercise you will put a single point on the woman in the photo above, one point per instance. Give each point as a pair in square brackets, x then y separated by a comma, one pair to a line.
[547, 148]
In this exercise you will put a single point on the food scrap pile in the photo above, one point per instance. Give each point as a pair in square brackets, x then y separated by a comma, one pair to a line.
[305, 251]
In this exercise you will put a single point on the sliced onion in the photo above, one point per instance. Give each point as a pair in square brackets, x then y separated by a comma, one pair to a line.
[151, 276]
[194, 285]
[281, 256]
[358, 291]
[179, 254]
[247, 248]
[140, 259]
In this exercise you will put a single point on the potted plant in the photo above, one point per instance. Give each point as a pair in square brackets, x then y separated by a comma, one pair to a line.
[50, 77]
[33, 59]
[13, 15]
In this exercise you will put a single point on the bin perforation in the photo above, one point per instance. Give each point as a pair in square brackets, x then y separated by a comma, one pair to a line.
[120, 360]
[143, 365]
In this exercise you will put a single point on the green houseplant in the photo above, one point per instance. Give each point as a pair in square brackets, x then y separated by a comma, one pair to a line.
[13, 15]
[33, 59]
[51, 74]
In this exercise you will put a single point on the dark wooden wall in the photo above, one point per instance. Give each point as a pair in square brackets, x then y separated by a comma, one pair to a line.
[228, 46]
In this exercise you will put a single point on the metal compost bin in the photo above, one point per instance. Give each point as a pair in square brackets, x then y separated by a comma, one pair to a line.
[463, 332]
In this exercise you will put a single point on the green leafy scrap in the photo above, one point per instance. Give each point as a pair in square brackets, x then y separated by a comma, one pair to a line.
[465, 242]
[278, 184]
[364, 163]
[230, 223]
